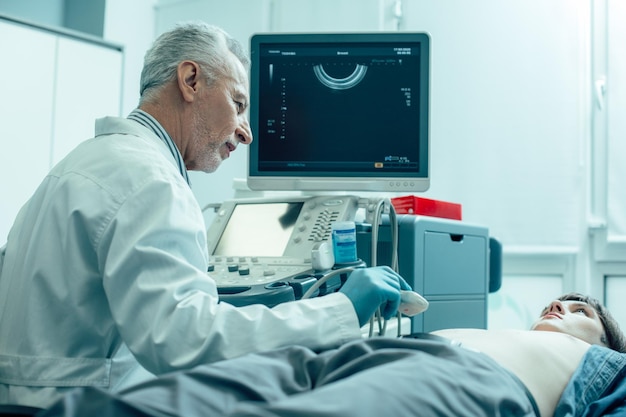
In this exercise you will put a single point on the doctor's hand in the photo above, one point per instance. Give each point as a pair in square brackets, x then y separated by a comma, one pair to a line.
[374, 287]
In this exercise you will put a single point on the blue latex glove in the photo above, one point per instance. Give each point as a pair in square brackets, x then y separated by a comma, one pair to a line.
[371, 288]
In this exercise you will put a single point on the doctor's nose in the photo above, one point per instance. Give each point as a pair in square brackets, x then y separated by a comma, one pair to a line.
[243, 133]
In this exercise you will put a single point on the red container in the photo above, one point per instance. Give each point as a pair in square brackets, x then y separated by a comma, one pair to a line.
[426, 207]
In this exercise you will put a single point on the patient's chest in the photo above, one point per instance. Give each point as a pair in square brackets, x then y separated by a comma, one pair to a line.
[544, 361]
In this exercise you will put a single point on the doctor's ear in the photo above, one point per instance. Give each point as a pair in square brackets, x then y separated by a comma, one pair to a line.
[188, 76]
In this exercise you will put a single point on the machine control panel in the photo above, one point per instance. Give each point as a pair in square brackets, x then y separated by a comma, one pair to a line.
[244, 270]
[257, 245]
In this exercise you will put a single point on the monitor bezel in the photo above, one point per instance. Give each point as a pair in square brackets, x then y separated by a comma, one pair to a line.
[261, 181]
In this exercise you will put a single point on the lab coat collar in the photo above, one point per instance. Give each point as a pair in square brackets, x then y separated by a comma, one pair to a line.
[151, 123]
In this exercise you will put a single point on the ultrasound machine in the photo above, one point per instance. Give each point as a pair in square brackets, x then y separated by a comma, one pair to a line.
[343, 119]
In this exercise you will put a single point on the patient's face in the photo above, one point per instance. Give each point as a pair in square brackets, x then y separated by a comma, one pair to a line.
[575, 318]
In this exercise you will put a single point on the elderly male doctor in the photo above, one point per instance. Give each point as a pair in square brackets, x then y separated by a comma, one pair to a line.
[103, 276]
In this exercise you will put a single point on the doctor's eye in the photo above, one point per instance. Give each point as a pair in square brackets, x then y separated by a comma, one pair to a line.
[241, 107]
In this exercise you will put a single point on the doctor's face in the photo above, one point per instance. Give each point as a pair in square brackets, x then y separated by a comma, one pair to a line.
[575, 318]
[220, 120]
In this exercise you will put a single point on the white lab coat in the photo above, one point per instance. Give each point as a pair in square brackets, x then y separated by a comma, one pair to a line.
[103, 282]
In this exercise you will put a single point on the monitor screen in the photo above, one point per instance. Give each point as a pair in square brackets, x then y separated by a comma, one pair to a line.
[340, 112]
[261, 229]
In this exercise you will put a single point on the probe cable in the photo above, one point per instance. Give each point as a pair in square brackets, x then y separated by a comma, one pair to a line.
[377, 317]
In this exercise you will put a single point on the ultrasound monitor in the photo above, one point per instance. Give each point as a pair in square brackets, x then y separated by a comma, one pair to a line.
[340, 112]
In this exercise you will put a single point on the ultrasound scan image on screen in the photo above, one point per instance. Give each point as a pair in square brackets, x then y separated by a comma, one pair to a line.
[340, 106]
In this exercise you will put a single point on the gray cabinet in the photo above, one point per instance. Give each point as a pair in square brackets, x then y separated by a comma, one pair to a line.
[447, 261]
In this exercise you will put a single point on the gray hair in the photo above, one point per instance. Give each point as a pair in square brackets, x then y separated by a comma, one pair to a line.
[196, 41]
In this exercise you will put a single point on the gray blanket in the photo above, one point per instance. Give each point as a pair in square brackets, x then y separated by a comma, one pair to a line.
[372, 377]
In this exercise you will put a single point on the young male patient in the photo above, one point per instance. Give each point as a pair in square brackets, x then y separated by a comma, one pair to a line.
[569, 365]
[546, 360]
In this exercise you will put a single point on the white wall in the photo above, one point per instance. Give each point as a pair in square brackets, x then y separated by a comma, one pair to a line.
[509, 113]
[131, 24]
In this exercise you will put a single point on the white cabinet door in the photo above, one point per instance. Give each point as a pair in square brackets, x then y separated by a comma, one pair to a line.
[88, 86]
[52, 88]
[26, 113]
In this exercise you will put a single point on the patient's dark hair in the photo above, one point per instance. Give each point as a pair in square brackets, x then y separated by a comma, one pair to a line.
[613, 336]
